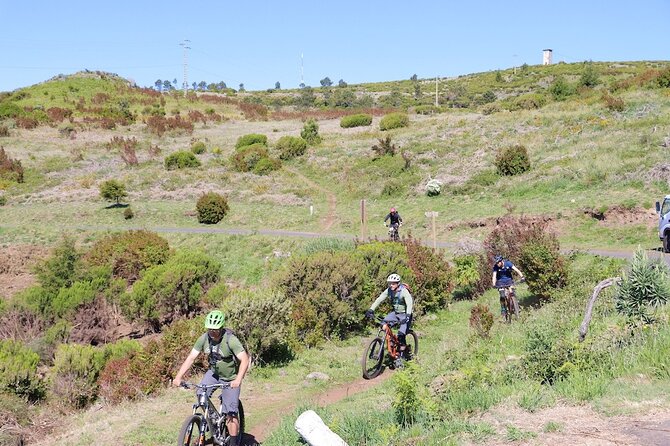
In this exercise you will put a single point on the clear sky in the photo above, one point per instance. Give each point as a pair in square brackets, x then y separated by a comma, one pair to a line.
[259, 43]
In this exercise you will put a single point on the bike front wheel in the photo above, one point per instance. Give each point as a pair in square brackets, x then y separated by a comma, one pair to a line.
[412, 341]
[193, 431]
[514, 306]
[373, 358]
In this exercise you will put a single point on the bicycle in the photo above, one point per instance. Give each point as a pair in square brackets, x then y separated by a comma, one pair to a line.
[207, 425]
[510, 305]
[373, 356]
[394, 235]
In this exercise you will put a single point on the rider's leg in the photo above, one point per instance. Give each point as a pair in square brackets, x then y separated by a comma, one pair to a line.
[503, 307]
[402, 333]
[230, 401]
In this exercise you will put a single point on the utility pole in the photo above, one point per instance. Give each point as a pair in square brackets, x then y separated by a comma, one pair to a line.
[185, 45]
[302, 69]
[436, 78]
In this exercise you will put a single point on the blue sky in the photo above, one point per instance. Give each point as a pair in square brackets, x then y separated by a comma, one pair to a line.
[259, 43]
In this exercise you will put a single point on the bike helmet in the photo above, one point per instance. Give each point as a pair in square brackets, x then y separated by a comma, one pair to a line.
[498, 259]
[393, 278]
[392, 209]
[214, 320]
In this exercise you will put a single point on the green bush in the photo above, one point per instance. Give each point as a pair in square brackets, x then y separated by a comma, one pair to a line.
[543, 265]
[393, 187]
[481, 320]
[9, 110]
[172, 290]
[4, 131]
[529, 101]
[394, 121]
[358, 120]
[128, 213]
[265, 166]
[61, 269]
[75, 373]
[427, 110]
[3, 200]
[129, 253]
[326, 292]
[432, 275]
[512, 160]
[380, 260]
[246, 157]
[290, 147]
[251, 313]
[68, 299]
[310, 132]
[211, 208]
[644, 288]
[560, 89]
[113, 190]
[181, 160]
[18, 370]
[198, 147]
[466, 274]
[251, 139]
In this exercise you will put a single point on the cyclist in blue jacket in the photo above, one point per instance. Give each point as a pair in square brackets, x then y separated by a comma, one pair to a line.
[502, 278]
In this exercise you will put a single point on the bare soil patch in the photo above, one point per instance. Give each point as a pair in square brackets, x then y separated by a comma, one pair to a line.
[619, 215]
[16, 262]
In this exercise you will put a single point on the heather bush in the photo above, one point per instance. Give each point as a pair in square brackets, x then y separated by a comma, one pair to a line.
[393, 187]
[358, 120]
[433, 277]
[560, 89]
[74, 375]
[10, 169]
[246, 157]
[129, 253]
[528, 101]
[61, 269]
[385, 147]
[68, 299]
[613, 103]
[290, 147]
[512, 160]
[113, 190]
[382, 259]
[394, 121]
[9, 110]
[172, 290]
[18, 370]
[466, 274]
[326, 292]
[181, 160]
[310, 132]
[250, 139]
[211, 208]
[198, 147]
[265, 166]
[481, 320]
[251, 314]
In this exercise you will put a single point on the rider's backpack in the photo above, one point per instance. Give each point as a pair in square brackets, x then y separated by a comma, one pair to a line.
[226, 337]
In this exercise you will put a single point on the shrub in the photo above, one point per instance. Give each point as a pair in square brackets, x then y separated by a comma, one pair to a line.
[380, 260]
[546, 352]
[407, 404]
[432, 275]
[250, 139]
[512, 160]
[68, 299]
[75, 373]
[4, 131]
[427, 110]
[9, 110]
[171, 290]
[251, 313]
[61, 269]
[385, 147]
[358, 120]
[113, 190]
[129, 253]
[589, 77]
[181, 160]
[529, 101]
[489, 109]
[198, 147]
[326, 292]
[394, 121]
[466, 274]
[128, 213]
[291, 147]
[18, 370]
[613, 103]
[265, 166]
[560, 89]
[10, 169]
[211, 208]
[246, 157]
[643, 288]
[481, 320]
[310, 132]
[3, 200]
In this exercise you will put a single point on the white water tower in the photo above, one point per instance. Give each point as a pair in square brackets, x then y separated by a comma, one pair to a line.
[546, 57]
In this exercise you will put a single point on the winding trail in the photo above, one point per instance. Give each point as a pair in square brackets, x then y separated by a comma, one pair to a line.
[328, 220]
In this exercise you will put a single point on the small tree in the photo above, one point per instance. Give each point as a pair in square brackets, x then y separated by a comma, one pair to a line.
[113, 190]
[310, 132]
[211, 208]
[277, 86]
[512, 160]
[326, 82]
[342, 83]
[589, 76]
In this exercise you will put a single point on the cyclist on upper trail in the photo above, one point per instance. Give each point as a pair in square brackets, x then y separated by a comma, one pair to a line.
[502, 277]
[394, 216]
[228, 363]
[403, 305]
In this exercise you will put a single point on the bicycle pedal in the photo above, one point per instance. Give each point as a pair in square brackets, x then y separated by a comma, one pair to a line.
[399, 363]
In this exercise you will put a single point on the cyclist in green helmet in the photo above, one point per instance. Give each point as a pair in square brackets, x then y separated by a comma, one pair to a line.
[228, 362]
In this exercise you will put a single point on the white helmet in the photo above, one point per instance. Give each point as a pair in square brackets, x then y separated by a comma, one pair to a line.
[393, 278]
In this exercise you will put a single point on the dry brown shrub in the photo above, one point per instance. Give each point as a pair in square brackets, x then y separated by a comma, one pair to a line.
[21, 325]
[94, 323]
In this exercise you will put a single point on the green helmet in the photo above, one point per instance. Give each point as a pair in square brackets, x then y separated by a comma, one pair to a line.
[214, 320]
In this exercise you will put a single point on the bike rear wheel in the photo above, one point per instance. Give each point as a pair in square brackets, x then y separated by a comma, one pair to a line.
[193, 431]
[373, 358]
[225, 434]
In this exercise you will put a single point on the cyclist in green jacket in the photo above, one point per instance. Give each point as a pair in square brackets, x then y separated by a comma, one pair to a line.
[403, 305]
[228, 362]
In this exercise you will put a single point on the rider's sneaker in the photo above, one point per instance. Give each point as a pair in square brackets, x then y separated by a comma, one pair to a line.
[399, 363]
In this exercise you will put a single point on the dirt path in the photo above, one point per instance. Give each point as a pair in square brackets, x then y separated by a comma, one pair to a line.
[328, 220]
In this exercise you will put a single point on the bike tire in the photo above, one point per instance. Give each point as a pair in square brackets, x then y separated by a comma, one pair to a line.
[412, 345]
[240, 413]
[514, 306]
[373, 357]
[192, 432]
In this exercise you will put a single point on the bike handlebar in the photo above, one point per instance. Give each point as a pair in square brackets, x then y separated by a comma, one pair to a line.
[188, 385]
[522, 280]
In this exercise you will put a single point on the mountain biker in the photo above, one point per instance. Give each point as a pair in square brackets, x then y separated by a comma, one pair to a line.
[394, 216]
[403, 304]
[222, 367]
[502, 278]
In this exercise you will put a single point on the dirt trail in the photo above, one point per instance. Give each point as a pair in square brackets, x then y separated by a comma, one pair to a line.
[328, 220]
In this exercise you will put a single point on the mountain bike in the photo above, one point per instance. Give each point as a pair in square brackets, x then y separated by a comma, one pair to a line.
[386, 340]
[207, 425]
[394, 235]
[510, 305]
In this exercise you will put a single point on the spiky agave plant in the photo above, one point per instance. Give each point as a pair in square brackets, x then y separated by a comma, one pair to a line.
[644, 288]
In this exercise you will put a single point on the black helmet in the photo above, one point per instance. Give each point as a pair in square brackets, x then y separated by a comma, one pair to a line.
[498, 259]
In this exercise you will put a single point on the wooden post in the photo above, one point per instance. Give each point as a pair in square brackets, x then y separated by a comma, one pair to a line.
[433, 215]
[364, 228]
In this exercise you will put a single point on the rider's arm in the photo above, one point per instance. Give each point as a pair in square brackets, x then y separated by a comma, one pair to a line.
[517, 271]
[399, 219]
[387, 217]
[409, 302]
[243, 357]
[493, 279]
[379, 300]
[188, 362]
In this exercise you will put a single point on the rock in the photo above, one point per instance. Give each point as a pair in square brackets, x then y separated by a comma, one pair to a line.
[318, 375]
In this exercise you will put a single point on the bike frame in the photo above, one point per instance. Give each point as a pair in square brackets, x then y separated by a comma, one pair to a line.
[390, 339]
[509, 292]
[207, 408]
